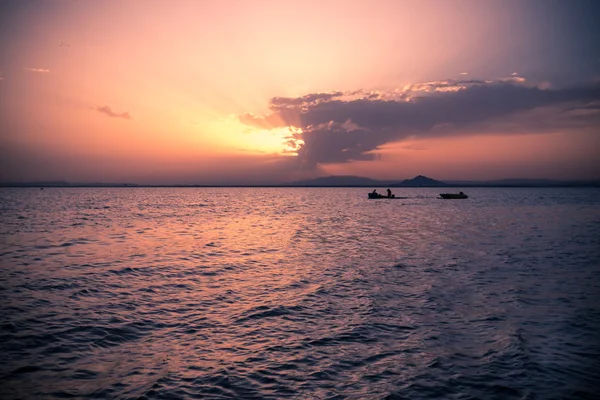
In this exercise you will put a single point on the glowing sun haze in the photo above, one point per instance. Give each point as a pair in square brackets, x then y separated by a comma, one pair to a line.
[250, 92]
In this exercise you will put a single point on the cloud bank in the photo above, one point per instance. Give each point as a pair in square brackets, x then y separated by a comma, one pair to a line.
[348, 126]
[108, 111]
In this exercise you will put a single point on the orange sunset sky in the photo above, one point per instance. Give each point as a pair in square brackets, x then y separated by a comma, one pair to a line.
[219, 92]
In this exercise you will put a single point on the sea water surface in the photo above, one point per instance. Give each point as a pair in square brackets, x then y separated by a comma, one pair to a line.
[269, 293]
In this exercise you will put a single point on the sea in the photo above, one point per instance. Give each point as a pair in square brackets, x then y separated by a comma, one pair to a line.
[299, 293]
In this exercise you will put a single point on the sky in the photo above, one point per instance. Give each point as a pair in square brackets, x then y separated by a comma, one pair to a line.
[269, 91]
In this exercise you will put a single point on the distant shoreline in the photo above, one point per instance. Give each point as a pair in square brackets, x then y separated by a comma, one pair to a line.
[333, 181]
[448, 186]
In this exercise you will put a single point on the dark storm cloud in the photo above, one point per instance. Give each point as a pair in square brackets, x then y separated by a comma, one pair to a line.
[347, 126]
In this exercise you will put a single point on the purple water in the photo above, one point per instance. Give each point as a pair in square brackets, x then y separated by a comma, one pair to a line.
[275, 293]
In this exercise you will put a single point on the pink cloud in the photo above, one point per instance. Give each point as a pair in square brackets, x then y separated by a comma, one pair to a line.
[41, 70]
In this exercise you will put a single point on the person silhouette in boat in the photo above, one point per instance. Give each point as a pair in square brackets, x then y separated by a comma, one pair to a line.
[374, 192]
[389, 193]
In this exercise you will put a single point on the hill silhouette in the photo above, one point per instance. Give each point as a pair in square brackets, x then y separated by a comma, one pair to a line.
[420, 180]
[359, 181]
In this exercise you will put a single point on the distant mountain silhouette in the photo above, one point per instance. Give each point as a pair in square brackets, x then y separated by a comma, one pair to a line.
[340, 180]
[424, 181]
[359, 181]
[64, 184]
[420, 180]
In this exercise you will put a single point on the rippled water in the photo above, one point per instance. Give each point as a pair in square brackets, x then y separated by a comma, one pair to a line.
[299, 293]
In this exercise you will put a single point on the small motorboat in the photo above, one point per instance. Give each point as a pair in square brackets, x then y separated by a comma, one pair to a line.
[380, 196]
[460, 195]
